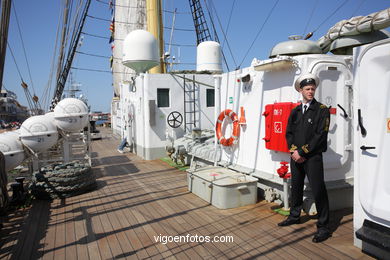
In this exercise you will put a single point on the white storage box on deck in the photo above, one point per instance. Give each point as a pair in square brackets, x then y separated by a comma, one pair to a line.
[222, 187]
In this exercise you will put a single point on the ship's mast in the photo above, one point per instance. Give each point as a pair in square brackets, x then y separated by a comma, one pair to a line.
[5, 15]
[154, 26]
[61, 80]
[201, 28]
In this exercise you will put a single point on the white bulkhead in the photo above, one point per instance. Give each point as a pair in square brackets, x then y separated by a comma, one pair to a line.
[147, 103]
[276, 85]
[372, 139]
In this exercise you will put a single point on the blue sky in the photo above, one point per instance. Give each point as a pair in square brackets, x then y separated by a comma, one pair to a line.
[38, 21]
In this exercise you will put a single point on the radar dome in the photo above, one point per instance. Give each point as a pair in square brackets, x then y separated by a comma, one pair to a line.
[39, 133]
[140, 51]
[209, 57]
[295, 47]
[12, 149]
[71, 115]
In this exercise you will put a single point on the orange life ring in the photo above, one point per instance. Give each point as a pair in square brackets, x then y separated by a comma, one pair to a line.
[236, 128]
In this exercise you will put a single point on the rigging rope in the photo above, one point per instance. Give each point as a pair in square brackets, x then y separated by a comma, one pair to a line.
[224, 35]
[70, 55]
[118, 72]
[63, 40]
[182, 45]
[258, 33]
[97, 70]
[49, 86]
[24, 48]
[16, 64]
[108, 20]
[105, 37]
[94, 55]
[216, 35]
[357, 8]
[135, 7]
[4, 26]
[228, 24]
[335, 11]
[310, 17]
[99, 36]
[24, 85]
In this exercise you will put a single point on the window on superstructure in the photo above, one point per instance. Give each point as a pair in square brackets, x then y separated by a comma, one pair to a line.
[210, 97]
[163, 97]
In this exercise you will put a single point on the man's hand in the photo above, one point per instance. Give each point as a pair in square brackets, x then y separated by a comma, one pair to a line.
[297, 158]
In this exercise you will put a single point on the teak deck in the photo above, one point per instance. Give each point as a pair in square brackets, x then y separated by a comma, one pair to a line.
[138, 200]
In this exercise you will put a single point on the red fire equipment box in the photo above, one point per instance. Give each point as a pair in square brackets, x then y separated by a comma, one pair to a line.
[276, 119]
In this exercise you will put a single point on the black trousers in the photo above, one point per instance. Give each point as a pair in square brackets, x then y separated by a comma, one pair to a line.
[313, 168]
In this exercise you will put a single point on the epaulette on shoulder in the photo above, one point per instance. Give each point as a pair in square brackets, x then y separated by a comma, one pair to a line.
[323, 106]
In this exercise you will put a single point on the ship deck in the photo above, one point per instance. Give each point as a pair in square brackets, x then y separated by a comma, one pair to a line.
[137, 201]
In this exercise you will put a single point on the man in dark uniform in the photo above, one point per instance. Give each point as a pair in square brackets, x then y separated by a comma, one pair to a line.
[306, 135]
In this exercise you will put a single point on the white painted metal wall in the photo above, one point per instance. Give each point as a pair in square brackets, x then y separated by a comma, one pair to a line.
[149, 134]
[269, 87]
[372, 94]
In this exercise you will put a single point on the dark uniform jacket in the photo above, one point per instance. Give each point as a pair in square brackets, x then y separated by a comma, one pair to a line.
[308, 132]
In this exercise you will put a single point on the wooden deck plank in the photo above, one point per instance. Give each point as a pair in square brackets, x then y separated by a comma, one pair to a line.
[11, 233]
[180, 222]
[211, 229]
[24, 246]
[80, 231]
[155, 229]
[70, 232]
[133, 227]
[49, 246]
[39, 240]
[145, 216]
[121, 237]
[86, 207]
[108, 231]
[60, 239]
[137, 200]
[196, 222]
[98, 230]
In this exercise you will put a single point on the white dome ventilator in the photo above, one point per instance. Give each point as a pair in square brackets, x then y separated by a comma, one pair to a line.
[71, 115]
[39, 133]
[140, 51]
[12, 149]
[209, 57]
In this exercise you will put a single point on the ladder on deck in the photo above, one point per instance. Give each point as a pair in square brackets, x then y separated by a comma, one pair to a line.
[189, 104]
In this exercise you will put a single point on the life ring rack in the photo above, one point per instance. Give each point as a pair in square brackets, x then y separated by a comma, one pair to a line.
[233, 139]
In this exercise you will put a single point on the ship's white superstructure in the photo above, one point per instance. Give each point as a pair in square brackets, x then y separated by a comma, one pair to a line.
[146, 103]
[275, 86]
[257, 100]
[371, 133]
